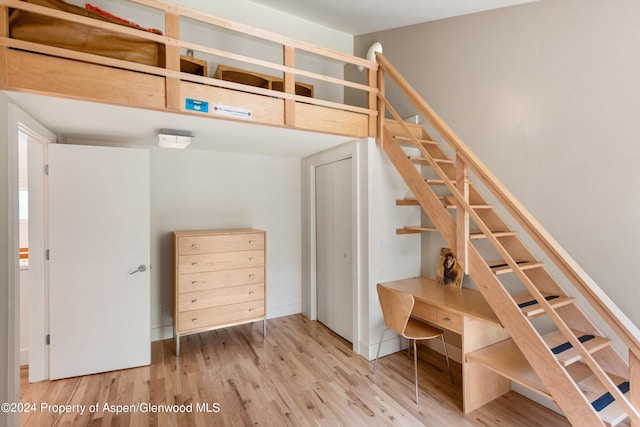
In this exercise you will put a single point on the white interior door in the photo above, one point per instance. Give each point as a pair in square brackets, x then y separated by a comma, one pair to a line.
[99, 234]
[36, 281]
[334, 261]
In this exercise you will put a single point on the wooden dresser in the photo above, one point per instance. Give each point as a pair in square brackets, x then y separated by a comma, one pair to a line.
[219, 280]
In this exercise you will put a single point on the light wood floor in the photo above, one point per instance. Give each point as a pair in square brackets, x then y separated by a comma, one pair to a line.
[301, 375]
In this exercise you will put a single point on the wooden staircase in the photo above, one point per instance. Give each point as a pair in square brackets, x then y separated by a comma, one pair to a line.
[565, 357]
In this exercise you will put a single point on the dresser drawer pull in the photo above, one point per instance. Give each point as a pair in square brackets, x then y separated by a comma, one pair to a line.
[193, 282]
[447, 319]
[194, 319]
[251, 276]
[251, 309]
[252, 259]
[251, 292]
[193, 301]
[195, 245]
[251, 242]
[194, 263]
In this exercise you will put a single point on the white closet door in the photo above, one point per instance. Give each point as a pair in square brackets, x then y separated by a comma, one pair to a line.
[334, 262]
[99, 234]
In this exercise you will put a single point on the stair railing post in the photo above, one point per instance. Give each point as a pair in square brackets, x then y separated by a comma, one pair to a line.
[172, 53]
[4, 32]
[372, 81]
[462, 216]
[289, 56]
[380, 107]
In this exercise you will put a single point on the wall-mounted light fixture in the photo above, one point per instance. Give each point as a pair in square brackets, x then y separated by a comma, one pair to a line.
[173, 138]
[371, 53]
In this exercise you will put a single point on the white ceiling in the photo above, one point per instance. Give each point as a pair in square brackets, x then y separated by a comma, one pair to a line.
[100, 124]
[368, 16]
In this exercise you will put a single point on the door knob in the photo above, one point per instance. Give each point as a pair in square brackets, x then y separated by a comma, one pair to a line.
[141, 268]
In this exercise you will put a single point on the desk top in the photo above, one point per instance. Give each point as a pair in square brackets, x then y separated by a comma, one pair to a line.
[463, 301]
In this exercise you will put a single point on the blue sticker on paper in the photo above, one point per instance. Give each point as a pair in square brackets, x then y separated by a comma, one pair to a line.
[197, 105]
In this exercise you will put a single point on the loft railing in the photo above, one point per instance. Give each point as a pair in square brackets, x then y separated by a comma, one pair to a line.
[173, 44]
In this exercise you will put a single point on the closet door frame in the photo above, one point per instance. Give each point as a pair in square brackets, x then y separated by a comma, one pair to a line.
[334, 251]
[357, 151]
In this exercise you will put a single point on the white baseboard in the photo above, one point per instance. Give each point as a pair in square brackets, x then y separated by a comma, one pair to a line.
[284, 310]
[391, 344]
[24, 356]
[162, 333]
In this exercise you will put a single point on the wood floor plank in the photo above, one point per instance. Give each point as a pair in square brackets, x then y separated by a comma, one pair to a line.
[302, 374]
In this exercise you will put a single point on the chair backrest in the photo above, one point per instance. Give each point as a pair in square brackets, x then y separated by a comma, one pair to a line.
[396, 308]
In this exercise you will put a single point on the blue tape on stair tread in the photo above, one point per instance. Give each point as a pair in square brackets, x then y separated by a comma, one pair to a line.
[607, 399]
[566, 346]
[533, 302]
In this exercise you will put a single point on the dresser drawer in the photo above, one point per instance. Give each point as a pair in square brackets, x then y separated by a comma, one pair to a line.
[219, 279]
[424, 311]
[222, 296]
[193, 245]
[220, 261]
[211, 317]
[448, 320]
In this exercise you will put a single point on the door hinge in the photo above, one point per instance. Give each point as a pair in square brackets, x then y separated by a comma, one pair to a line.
[46, 169]
[46, 254]
[47, 339]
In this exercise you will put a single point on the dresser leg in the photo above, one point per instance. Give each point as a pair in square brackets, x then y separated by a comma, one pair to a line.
[177, 340]
[264, 327]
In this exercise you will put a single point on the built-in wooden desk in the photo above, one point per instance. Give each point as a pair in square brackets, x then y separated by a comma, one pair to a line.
[467, 313]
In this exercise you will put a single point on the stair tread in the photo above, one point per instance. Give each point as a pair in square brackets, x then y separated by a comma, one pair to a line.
[478, 234]
[414, 230]
[407, 201]
[450, 203]
[424, 161]
[435, 181]
[506, 359]
[557, 340]
[611, 414]
[405, 141]
[533, 308]
[501, 267]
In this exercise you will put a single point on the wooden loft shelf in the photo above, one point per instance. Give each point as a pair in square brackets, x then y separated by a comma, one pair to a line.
[191, 65]
[264, 81]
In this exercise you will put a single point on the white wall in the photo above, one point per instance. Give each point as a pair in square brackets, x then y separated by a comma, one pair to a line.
[255, 15]
[545, 94]
[380, 255]
[193, 189]
[243, 11]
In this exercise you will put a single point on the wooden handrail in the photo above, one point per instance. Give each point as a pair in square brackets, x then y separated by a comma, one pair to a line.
[607, 309]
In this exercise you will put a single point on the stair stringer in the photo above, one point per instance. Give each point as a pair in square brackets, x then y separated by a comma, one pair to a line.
[561, 386]
[564, 390]
[427, 199]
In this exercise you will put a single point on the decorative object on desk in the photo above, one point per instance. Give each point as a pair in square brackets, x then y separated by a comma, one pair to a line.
[449, 272]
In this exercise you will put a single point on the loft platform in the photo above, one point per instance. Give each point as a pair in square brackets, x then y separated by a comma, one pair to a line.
[165, 79]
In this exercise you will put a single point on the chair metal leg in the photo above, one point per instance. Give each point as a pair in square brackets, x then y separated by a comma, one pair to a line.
[415, 367]
[378, 353]
[444, 345]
